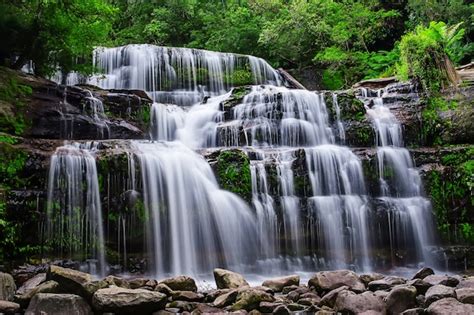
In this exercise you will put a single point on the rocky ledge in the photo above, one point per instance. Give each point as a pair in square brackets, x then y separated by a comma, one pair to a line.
[327, 292]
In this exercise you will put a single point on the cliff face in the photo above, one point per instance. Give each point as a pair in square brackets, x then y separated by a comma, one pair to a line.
[36, 115]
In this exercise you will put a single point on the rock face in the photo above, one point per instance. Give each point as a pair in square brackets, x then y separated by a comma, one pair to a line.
[226, 279]
[180, 283]
[7, 287]
[277, 284]
[120, 300]
[449, 306]
[52, 304]
[329, 280]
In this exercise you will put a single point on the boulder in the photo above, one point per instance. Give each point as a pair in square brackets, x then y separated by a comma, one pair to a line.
[449, 306]
[282, 310]
[206, 309]
[121, 300]
[369, 277]
[189, 296]
[182, 306]
[250, 299]
[444, 280]
[45, 287]
[117, 281]
[329, 299]
[350, 302]
[225, 299]
[226, 279]
[420, 285]
[325, 281]
[268, 307]
[142, 282]
[180, 283]
[58, 304]
[414, 311]
[400, 299]
[465, 295]
[7, 307]
[69, 280]
[466, 283]
[386, 283]
[7, 287]
[277, 284]
[31, 283]
[163, 288]
[423, 273]
[438, 292]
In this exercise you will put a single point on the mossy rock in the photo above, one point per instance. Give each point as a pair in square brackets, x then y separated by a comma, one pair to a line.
[233, 172]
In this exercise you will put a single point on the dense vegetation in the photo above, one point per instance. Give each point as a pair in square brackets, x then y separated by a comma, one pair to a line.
[344, 41]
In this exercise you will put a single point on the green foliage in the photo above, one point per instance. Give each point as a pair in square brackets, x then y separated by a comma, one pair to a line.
[233, 170]
[425, 55]
[240, 77]
[432, 122]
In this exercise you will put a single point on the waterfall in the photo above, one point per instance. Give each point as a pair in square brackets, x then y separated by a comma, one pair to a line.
[74, 225]
[180, 76]
[400, 183]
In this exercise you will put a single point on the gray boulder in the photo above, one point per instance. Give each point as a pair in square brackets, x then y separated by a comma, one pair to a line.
[225, 299]
[121, 300]
[277, 284]
[423, 273]
[444, 280]
[466, 283]
[420, 285]
[325, 281]
[369, 277]
[414, 311]
[329, 299]
[449, 306]
[249, 299]
[45, 287]
[438, 292]
[7, 287]
[465, 295]
[180, 283]
[58, 304]
[70, 280]
[401, 298]
[189, 296]
[32, 283]
[386, 283]
[350, 302]
[226, 279]
[7, 307]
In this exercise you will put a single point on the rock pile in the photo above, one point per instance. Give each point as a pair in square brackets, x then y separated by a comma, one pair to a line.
[67, 291]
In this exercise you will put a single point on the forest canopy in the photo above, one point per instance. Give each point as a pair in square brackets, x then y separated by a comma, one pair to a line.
[342, 41]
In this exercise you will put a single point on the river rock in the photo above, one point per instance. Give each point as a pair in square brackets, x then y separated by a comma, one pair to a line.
[225, 299]
[206, 309]
[329, 299]
[249, 299]
[7, 287]
[121, 300]
[163, 288]
[226, 279]
[180, 283]
[117, 281]
[189, 296]
[414, 311]
[423, 273]
[58, 304]
[329, 280]
[400, 299]
[7, 307]
[465, 295]
[438, 292]
[31, 283]
[386, 283]
[444, 280]
[369, 277]
[45, 287]
[282, 310]
[449, 306]
[348, 301]
[69, 280]
[268, 307]
[420, 285]
[277, 284]
[182, 306]
[466, 283]
[142, 283]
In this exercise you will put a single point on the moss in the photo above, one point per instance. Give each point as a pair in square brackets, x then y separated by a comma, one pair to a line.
[433, 124]
[11, 165]
[240, 77]
[233, 170]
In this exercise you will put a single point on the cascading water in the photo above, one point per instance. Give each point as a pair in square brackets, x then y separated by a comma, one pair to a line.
[400, 183]
[74, 225]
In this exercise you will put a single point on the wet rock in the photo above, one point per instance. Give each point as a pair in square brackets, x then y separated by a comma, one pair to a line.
[141, 283]
[348, 301]
[121, 300]
[45, 287]
[329, 299]
[7, 287]
[206, 309]
[69, 280]
[438, 292]
[268, 307]
[293, 296]
[7, 307]
[189, 296]
[382, 294]
[369, 277]
[277, 284]
[226, 279]
[329, 280]
[282, 310]
[180, 283]
[295, 307]
[182, 306]
[225, 299]
[465, 295]
[117, 281]
[444, 280]
[163, 288]
[264, 289]
[420, 285]
[449, 306]
[249, 299]
[400, 299]
[423, 273]
[47, 303]
[414, 311]
[32, 283]
[386, 283]
[466, 283]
